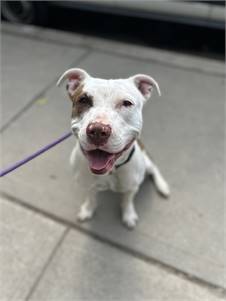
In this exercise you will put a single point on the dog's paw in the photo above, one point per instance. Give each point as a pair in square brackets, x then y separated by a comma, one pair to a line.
[130, 219]
[84, 214]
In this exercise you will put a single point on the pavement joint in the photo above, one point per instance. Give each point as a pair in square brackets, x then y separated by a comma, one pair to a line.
[114, 52]
[47, 40]
[40, 94]
[215, 289]
[46, 265]
[159, 62]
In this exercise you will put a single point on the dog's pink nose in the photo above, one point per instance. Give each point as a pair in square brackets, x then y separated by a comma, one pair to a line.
[98, 133]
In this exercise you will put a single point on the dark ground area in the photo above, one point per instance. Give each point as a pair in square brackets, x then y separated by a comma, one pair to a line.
[197, 40]
[166, 35]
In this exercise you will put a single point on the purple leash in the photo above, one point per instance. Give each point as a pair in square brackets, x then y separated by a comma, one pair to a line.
[34, 155]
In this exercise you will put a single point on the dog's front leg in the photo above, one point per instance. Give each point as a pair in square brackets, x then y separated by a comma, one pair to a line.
[88, 207]
[129, 215]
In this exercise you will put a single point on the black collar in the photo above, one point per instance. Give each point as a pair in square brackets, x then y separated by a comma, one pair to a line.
[128, 158]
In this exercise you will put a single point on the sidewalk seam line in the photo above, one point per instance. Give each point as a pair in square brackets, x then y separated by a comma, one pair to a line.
[215, 289]
[46, 264]
[131, 56]
[30, 103]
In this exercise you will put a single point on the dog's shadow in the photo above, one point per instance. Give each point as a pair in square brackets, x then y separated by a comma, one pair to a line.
[112, 269]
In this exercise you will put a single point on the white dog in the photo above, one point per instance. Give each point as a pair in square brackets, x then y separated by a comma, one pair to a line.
[107, 120]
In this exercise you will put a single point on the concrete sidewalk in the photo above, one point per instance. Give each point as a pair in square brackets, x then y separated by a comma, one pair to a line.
[177, 251]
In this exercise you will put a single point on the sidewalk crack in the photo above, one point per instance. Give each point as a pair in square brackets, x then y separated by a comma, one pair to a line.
[217, 290]
[46, 265]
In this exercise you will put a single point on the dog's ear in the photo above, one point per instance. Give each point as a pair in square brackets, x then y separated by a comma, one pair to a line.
[145, 84]
[75, 77]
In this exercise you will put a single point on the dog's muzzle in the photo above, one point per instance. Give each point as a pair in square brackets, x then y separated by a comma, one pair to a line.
[98, 133]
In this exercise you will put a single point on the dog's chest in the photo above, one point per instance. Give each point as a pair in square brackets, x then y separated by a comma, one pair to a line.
[109, 182]
[119, 182]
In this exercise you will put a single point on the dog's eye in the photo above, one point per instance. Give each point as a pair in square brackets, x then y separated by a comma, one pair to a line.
[85, 100]
[127, 103]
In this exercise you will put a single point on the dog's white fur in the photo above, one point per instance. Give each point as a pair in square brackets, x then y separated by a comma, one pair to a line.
[126, 125]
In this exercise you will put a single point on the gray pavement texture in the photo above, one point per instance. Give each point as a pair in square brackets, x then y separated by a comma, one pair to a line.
[177, 251]
[27, 241]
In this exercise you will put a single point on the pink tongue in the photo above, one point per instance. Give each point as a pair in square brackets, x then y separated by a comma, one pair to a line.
[98, 159]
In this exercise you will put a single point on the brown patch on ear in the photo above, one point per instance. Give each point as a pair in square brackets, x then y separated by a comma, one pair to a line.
[77, 94]
[81, 102]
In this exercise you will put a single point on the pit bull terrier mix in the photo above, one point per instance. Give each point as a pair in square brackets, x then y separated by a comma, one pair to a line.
[107, 121]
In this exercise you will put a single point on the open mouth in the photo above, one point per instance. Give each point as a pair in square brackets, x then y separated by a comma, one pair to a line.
[101, 161]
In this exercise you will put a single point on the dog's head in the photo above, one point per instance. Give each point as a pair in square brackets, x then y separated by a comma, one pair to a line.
[106, 114]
